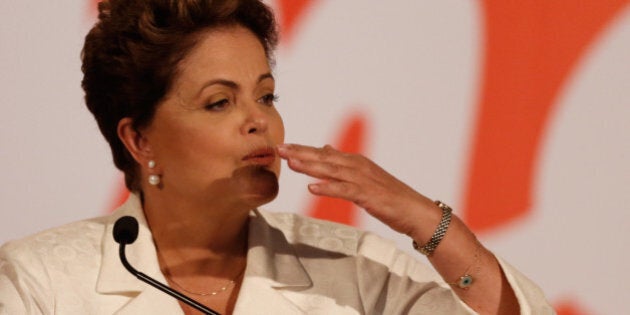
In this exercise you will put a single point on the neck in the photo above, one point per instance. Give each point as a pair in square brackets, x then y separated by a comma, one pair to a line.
[197, 232]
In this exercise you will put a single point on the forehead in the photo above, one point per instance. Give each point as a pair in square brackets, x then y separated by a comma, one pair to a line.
[225, 52]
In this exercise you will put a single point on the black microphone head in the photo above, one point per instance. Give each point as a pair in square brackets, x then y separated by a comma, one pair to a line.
[126, 230]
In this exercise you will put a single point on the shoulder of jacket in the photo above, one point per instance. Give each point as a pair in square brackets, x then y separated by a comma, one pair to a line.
[351, 241]
[324, 234]
[64, 242]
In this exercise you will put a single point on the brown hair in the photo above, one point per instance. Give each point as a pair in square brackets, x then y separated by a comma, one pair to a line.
[131, 54]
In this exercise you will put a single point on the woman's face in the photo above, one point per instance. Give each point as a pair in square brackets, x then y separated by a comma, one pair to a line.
[214, 135]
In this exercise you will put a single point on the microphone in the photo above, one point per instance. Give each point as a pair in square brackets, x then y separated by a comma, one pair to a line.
[126, 232]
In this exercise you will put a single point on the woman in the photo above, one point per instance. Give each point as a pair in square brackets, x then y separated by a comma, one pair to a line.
[183, 92]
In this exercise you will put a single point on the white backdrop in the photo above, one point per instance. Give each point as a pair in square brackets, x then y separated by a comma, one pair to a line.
[412, 71]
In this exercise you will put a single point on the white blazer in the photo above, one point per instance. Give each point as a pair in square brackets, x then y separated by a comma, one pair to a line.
[295, 265]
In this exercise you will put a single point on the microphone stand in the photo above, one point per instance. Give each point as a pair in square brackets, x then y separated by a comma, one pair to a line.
[172, 292]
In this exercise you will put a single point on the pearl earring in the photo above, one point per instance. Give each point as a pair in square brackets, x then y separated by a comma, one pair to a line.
[154, 179]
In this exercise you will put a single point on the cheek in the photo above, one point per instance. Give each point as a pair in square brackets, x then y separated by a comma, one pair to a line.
[195, 147]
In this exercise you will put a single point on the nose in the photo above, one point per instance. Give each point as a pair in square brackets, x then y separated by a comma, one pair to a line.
[256, 120]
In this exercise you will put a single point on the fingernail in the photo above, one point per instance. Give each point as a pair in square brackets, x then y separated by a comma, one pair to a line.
[313, 187]
[282, 148]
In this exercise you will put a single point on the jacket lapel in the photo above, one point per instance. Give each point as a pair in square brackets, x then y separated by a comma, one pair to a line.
[114, 279]
[273, 269]
[151, 301]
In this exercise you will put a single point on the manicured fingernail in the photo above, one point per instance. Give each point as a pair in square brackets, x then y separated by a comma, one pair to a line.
[283, 148]
[313, 187]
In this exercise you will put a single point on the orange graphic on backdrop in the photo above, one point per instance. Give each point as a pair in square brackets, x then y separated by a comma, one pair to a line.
[569, 308]
[531, 47]
[291, 13]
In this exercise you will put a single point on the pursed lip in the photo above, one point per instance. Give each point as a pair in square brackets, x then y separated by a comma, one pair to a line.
[261, 156]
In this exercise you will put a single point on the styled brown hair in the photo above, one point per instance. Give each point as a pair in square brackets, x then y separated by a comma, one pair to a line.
[130, 57]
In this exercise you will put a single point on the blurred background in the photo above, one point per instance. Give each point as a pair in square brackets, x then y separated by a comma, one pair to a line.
[515, 113]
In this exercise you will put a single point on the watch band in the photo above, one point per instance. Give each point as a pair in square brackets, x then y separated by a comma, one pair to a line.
[439, 233]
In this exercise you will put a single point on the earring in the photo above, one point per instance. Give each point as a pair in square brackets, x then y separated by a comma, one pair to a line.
[154, 179]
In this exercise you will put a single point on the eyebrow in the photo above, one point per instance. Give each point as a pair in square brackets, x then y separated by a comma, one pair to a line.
[232, 84]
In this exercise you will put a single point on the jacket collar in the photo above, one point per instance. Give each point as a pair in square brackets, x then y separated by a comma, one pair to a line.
[114, 279]
[273, 268]
[272, 265]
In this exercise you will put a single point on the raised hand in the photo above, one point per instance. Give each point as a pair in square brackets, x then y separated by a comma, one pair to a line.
[356, 178]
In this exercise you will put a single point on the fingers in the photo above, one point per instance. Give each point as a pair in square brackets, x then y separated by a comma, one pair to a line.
[342, 173]
[336, 189]
[306, 153]
[322, 163]
[319, 170]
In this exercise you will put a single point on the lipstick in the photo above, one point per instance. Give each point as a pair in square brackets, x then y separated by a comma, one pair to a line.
[262, 156]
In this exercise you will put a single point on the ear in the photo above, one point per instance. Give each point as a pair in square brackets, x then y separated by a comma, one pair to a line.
[134, 141]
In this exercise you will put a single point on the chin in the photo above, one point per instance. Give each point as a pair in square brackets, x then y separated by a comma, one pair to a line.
[255, 201]
[258, 185]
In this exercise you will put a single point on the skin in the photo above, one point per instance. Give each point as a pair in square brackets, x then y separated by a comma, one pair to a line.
[219, 109]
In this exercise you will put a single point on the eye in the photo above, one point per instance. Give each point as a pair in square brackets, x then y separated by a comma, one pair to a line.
[218, 105]
[269, 99]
